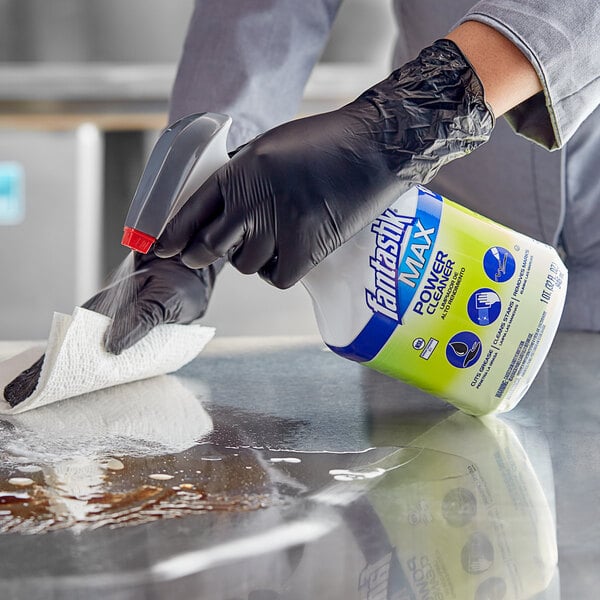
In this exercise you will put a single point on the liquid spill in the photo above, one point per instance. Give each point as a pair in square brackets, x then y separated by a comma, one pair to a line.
[83, 493]
[144, 504]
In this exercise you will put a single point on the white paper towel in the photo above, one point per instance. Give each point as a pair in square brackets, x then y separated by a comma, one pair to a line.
[76, 361]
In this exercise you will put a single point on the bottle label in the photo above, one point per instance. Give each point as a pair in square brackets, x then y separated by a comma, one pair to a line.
[454, 303]
[402, 238]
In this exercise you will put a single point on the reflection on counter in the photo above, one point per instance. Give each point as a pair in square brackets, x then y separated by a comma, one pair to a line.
[470, 518]
[443, 506]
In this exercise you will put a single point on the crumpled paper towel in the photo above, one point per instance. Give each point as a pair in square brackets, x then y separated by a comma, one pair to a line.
[77, 363]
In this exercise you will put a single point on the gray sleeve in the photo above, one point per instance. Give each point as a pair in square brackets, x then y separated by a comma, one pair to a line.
[250, 59]
[561, 39]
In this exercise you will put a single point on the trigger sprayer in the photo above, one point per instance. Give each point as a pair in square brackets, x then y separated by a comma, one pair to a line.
[184, 156]
[430, 293]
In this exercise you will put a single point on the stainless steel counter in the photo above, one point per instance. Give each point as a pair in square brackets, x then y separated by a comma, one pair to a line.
[314, 478]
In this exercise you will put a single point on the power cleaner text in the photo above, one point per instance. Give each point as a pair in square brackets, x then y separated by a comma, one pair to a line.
[435, 285]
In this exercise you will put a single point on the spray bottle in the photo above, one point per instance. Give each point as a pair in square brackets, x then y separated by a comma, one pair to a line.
[430, 293]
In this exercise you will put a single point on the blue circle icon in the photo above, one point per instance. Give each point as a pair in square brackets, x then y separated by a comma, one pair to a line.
[484, 306]
[499, 264]
[463, 350]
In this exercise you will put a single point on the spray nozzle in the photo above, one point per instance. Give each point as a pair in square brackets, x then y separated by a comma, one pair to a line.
[184, 156]
[137, 240]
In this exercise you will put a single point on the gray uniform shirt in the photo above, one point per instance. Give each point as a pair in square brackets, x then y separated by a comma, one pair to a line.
[252, 59]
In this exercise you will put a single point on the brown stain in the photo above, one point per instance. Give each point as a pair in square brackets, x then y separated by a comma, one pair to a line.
[129, 497]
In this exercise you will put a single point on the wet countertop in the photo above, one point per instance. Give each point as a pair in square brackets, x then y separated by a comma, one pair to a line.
[270, 468]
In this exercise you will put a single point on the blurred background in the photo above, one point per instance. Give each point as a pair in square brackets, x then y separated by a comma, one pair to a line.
[84, 88]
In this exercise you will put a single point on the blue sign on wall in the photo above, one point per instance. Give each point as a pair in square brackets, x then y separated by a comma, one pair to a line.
[12, 193]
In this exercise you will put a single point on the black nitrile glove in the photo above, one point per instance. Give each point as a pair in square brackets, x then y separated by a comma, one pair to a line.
[293, 195]
[159, 291]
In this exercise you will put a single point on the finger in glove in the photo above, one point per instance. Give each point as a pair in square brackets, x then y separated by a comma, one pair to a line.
[22, 386]
[200, 210]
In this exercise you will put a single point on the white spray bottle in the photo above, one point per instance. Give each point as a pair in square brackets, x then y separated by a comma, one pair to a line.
[430, 293]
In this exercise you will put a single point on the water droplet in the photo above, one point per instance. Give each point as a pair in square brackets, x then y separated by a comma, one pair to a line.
[286, 459]
[161, 476]
[114, 464]
[29, 468]
[20, 481]
[348, 475]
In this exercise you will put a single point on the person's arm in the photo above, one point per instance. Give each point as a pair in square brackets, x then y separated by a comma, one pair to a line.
[560, 40]
[291, 197]
[508, 77]
[250, 59]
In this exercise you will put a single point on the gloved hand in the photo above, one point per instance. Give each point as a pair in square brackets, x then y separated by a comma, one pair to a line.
[293, 195]
[158, 291]
[161, 292]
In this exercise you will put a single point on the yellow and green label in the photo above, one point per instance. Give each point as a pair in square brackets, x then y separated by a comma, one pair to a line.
[460, 306]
